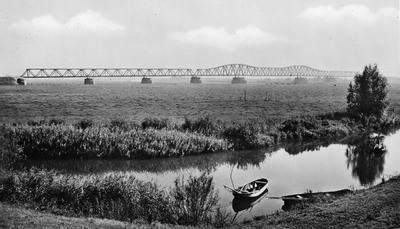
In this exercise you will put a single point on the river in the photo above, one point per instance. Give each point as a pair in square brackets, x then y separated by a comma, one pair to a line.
[292, 168]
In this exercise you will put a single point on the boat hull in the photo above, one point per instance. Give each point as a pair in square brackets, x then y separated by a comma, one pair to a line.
[243, 191]
[290, 200]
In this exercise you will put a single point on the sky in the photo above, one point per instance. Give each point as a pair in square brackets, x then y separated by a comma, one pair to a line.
[326, 35]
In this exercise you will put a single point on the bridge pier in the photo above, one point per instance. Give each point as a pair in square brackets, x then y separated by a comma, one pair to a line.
[330, 79]
[146, 80]
[300, 80]
[195, 79]
[239, 80]
[88, 81]
[21, 81]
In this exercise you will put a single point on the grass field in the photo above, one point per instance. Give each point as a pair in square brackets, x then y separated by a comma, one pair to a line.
[135, 101]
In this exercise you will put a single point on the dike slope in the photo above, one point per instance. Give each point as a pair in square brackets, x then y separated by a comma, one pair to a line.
[8, 81]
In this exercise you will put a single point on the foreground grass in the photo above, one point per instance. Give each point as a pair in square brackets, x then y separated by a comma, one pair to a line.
[18, 217]
[376, 207]
[117, 196]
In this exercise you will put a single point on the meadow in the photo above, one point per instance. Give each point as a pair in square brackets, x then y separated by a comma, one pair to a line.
[132, 100]
[165, 98]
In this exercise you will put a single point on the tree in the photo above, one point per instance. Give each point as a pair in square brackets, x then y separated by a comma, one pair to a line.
[369, 94]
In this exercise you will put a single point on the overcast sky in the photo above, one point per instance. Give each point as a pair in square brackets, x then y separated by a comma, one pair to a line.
[326, 35]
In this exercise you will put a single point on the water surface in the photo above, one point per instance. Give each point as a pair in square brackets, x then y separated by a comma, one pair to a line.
[292, 168]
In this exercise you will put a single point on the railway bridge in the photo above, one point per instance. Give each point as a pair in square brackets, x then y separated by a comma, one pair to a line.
[238, 71]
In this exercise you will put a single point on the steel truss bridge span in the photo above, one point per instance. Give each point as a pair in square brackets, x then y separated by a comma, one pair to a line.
[246, 70]
[103, 72]
[224, 70]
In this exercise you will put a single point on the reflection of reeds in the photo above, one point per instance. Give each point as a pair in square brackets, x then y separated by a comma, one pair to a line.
[204, 163]
[114, 196]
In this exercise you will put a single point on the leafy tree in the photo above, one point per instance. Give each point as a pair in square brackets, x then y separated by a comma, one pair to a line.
[369, 94]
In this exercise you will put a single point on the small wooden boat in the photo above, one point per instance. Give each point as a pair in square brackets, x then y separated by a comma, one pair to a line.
[294, 199]
[252, 189]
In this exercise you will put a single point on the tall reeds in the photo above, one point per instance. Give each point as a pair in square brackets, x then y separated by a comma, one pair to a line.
[67, 141]
[156, 137]
[118, 196]
[194, 199]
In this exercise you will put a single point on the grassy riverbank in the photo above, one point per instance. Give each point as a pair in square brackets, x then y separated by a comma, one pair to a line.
[161, 137]
[376, 207]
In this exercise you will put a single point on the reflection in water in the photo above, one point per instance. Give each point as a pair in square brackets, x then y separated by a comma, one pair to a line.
[295, 148]
[156, 166]
[366, 157]
[365, 154]
[204, 163]
[244, 159]
[244, 203]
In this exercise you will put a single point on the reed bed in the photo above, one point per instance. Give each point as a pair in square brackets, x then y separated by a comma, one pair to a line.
[67, 141]
[118, 196]
[160, 137]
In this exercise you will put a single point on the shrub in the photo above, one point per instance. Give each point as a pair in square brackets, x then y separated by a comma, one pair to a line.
[204, 125]
[84, 123]
[122, 124]
[248, 135]
[158, 123]
[301, 128]
[34, 123]
[369, 94]
[56, 121]
[194, 199]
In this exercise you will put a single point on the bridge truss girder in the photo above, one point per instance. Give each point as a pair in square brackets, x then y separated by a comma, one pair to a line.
[103, 72]
[246, 70]
[224, 70]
